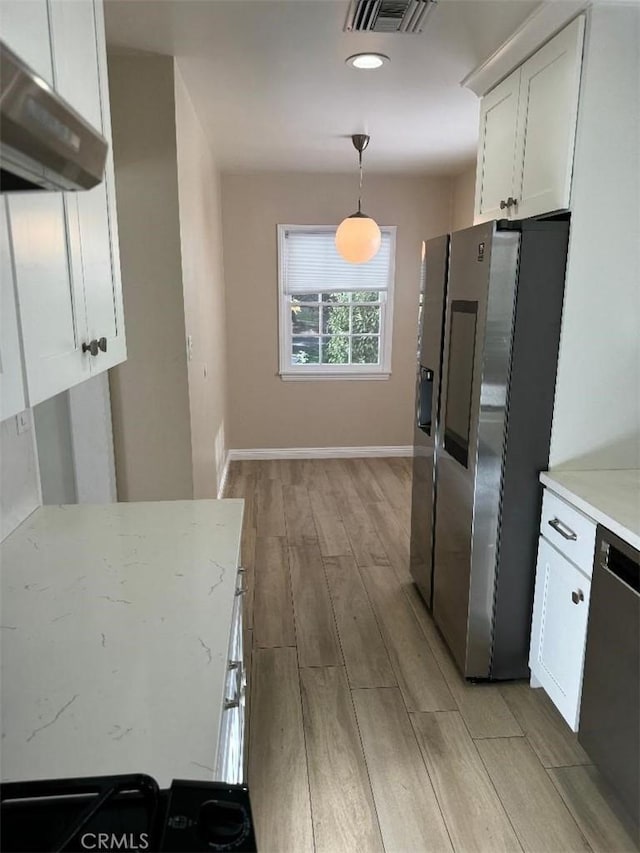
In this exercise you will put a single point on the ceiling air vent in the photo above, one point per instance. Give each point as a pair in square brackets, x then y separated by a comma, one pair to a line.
[387, 16]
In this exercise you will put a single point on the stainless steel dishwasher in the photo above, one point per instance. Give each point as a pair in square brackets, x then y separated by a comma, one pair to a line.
[610, 709]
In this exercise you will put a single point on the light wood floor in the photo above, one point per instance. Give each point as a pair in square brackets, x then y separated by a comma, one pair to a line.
[362, 735]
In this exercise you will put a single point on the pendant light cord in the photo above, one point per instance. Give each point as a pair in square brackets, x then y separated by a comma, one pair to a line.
[360, 187]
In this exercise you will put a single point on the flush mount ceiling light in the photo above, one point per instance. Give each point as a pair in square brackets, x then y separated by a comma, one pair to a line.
[367, 61]
[358, 236]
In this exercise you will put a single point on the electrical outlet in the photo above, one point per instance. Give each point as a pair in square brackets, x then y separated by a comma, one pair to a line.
[189, 348]
[23, 421]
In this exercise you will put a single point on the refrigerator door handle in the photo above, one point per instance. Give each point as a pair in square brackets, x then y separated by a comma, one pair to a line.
[425, 397]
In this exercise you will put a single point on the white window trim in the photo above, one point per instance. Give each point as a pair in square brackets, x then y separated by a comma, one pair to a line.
[303, 372]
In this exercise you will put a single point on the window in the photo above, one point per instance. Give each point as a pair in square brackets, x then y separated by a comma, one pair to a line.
[335, 317]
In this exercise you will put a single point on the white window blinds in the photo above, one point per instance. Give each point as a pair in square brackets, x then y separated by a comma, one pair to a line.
[313, 265]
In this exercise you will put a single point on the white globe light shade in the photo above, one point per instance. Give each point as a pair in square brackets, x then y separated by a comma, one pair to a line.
[358, 239]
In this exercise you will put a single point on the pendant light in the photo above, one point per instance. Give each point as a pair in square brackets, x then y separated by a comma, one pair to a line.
[358, 236]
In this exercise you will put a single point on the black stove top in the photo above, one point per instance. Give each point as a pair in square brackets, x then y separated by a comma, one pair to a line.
[126, 812]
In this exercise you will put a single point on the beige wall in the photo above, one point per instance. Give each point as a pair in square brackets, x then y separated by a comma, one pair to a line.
[463, 192]
[150, 400]
[264, 411]
[203, 284]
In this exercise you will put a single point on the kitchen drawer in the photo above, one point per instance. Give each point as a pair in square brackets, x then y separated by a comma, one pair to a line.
[230, 761]
[559, 630]
[572, 533]
[231, 746]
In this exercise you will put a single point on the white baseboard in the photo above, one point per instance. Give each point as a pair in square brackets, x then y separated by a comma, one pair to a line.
[222, 484]
[318, 452]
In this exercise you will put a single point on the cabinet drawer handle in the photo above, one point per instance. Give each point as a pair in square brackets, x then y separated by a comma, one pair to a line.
[562, 529]
[577, 596]
[241, 588]
[512, 202]
[234, 701]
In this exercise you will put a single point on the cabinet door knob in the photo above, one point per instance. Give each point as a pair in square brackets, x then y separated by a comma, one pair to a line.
[102, 344]
[512, 202]
[92, 347]
[504, 204]
[577, 596]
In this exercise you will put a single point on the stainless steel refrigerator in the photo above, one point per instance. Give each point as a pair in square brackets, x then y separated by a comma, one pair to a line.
[488, 348]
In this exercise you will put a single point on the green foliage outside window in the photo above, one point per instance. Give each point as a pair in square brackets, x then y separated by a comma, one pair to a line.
[345, 321]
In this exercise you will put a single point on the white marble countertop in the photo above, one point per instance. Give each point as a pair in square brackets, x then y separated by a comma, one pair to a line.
[115, 632]
[611, 498]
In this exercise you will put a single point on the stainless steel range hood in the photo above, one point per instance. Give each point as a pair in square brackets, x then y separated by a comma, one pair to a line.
[44, 143]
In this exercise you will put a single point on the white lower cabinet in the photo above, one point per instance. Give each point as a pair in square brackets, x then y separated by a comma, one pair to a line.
[231, 741]
[559, 630]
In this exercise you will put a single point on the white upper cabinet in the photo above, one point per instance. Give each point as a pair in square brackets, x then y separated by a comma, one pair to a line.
[25, 29]
[527, 133]
[52, 312]
[80, 64]
[12, 398]
[65, 245]
[73, 35]
[105, 304]
[498, 120]
[547, 119]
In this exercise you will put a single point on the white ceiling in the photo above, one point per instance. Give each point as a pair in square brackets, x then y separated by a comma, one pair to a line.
[269, 80]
